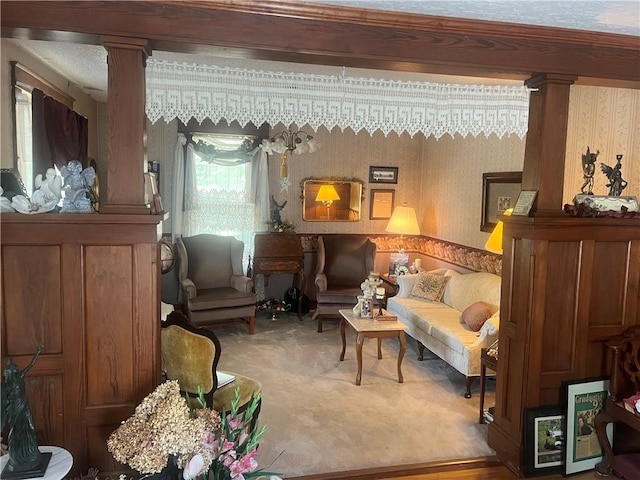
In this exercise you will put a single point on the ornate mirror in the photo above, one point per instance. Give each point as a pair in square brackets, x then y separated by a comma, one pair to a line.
[332, 199]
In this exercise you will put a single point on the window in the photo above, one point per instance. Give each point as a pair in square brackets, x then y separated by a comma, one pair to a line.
[223, 188]
[24, 158]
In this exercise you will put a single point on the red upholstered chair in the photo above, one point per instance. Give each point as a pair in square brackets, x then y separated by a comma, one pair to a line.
[344, 261]
[214, 289]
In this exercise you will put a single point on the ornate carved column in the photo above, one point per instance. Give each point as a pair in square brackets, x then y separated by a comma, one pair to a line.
[127, 154]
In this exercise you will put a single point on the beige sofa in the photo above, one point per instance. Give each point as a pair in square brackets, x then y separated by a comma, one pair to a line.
[437, 325]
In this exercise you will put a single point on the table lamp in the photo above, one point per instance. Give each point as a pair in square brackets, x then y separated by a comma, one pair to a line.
[403, 221]
[327, 195]
[494, 243]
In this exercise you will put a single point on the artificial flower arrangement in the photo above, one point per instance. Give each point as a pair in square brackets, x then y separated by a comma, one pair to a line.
[281, 227]
[201, 442]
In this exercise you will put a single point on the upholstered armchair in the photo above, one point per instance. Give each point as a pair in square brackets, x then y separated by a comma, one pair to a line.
[190, 356]
[344, 261]
[214, 289]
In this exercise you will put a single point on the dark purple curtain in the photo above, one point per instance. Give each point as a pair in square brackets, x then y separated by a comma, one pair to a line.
[59, 134]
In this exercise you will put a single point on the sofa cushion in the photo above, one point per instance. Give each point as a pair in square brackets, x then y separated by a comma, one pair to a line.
[463, 290]
[476, 314]
[429, 286]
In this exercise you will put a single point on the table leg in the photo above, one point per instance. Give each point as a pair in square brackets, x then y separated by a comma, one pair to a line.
[483, 385]
[379, 348]
[403, 348]
[343, 324]
[359, 342]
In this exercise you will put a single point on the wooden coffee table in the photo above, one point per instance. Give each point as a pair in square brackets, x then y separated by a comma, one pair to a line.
[367, 328]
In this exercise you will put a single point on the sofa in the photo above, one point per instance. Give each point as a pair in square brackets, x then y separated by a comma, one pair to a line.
[439, 324]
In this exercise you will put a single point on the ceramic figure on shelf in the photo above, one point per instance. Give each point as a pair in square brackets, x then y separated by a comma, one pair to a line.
[588, 169]
[48, 189]
[275, 210]
[77, 183]
[616, 183]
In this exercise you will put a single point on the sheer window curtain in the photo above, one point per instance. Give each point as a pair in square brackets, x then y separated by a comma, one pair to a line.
[237, 206]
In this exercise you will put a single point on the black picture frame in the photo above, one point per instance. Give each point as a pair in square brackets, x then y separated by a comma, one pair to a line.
[500, 190]
[383, 174]
[381, 204]
[544, 440]
[585, 399]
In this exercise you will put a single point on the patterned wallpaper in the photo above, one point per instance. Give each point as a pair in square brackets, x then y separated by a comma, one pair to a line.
[443, 178]
[605, 119]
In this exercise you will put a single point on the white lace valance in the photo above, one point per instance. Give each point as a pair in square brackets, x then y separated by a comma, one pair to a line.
[207, 91]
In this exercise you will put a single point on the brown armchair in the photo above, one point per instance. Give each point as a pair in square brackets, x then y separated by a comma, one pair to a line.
[214, 289]
[344, 261]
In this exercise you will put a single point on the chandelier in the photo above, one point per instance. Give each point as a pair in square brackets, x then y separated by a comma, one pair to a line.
[288, 142]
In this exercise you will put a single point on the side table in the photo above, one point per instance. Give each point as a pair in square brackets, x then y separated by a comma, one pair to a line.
[486, 361]
[59, 465]
[390, 284]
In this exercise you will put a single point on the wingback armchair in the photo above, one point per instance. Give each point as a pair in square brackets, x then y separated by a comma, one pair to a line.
[214, 289]
[344, 261]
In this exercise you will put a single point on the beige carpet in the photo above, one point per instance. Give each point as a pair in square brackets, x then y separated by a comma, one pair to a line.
[319, 421]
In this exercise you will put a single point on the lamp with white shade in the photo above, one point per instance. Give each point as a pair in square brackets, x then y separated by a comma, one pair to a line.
[403, 221]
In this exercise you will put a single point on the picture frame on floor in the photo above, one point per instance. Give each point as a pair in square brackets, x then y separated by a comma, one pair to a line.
[544, 440]
[585, 399]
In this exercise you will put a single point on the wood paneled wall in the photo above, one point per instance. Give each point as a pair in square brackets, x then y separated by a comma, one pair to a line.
[87, 287]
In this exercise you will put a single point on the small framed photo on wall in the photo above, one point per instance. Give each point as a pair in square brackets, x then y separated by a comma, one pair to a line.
[383, 174]
[382, 202]
[500, 192]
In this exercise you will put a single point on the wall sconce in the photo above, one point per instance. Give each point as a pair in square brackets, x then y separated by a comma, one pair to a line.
[289, 141]
[403, 221]
[494, 243]
[327, 195]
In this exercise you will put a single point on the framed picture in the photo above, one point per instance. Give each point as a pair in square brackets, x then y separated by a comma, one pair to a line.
[382, 202]
[383, 174]
[544, 440]
[500, 191]
[398, 264]
[585, 399]
[525, 202]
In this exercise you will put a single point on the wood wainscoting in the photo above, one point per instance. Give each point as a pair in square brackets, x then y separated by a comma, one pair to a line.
[87, 287]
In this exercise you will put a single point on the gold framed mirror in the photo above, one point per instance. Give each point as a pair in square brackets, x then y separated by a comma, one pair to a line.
[332, 199]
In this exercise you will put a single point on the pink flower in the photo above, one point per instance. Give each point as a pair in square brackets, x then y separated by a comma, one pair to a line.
[234, 423]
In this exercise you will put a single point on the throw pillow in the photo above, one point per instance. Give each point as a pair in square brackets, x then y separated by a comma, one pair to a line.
[476, 314]
[429, 286]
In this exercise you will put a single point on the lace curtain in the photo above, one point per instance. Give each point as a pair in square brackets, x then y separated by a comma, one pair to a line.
[185, 90]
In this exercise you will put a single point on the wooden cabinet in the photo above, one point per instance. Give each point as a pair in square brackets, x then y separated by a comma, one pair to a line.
[87, 287]
[279, 253]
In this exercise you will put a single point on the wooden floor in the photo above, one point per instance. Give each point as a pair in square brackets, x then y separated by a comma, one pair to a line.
[478, 469]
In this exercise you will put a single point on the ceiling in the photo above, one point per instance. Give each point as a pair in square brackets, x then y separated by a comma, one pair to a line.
[86, 65]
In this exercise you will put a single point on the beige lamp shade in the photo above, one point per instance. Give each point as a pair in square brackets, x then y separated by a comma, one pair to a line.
[404, 221]
[494, 243]
[327, 193]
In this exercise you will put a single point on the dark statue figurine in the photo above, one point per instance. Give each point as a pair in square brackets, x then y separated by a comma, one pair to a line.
[588, 169]
[275, 211]
[616, 183]
[24, 454]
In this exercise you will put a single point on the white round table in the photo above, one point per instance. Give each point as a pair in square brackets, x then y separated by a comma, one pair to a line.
[59, 465]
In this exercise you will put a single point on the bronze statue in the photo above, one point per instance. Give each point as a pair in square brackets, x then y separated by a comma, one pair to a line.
[588, 169]
[275, 210]
[23, 445]
[616, 183]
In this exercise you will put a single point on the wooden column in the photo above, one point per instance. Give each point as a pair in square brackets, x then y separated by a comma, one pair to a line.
[127, 139]
[547, 139]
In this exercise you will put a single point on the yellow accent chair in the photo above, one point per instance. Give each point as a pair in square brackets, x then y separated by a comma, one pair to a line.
[344, 261]
[190, 355]
[215, 291]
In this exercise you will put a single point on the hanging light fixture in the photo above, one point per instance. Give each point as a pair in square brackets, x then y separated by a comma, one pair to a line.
[290, 141]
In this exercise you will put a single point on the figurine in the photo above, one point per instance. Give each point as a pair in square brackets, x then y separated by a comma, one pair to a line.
[616, 183]
[275, 211]
[49, 189]
[77, 183]
[23, 444]
[588, 169]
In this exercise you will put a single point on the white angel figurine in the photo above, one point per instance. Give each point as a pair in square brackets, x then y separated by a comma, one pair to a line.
[49, 188]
